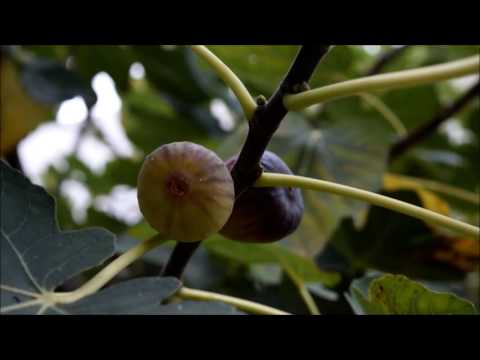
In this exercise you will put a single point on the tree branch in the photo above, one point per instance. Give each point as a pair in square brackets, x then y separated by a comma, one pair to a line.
[267, 118]
[427, 129]
[387, 81]
[262, 126]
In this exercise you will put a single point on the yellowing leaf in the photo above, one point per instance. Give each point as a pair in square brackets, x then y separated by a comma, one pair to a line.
[19, 113]
[429, 199]
[462, 253]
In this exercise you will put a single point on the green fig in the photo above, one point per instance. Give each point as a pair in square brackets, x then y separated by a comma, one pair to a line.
[185, 191]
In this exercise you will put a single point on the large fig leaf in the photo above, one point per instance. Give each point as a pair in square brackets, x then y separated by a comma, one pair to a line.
[36, 258]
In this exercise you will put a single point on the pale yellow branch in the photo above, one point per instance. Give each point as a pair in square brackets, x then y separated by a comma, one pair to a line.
[107, 273]
[230, 78]
[273, 180]
[241, 304]
[393, 80]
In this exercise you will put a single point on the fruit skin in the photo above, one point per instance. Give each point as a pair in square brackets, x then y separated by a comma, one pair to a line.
[262, 215]
[185, 191]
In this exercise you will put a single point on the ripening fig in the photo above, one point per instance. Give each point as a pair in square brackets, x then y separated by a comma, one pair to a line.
[185, 191]
[267, 214]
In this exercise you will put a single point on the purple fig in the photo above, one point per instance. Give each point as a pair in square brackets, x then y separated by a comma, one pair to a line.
[262, 215]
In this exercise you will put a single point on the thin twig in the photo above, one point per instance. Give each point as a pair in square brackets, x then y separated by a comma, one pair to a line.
[387, 81]
[430, 217]
[427, 129]
[386, 58]
[268, 117]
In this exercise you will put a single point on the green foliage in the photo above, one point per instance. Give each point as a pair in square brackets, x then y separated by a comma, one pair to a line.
[345, 141]
[50, 82]
[150, 121]
[114, 60]
[249, 254]
[391, 242]
[29, 232]
[398, 295]
[37, 258]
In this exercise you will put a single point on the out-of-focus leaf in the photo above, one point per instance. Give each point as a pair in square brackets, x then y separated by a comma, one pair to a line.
[100, 218]
[245, 253]
[122, 171]
[396, 294]
[19, 112]
[113, 59]
[35, 255]
[53, 52]
[396, 243]
[170, 70]
[266, 274]
[50, 82]
[151, 121]
[444, 53]
[415, 105]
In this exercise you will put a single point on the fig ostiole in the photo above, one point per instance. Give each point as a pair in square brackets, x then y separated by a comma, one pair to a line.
[185, 191]
[262, 215]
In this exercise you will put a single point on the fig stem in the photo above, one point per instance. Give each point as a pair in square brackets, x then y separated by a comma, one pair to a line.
[393, 80]
[241, 304]
[182, 252]
[438, 187]
[107, 273]
[246, 100]
[273, 180]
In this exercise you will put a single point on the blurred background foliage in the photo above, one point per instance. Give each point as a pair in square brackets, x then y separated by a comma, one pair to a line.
[161, 94]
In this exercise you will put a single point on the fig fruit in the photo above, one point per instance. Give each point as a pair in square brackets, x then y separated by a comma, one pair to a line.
[185, 191]
[262, 215]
